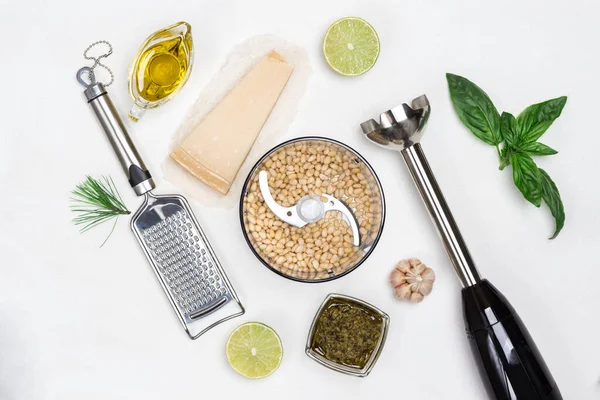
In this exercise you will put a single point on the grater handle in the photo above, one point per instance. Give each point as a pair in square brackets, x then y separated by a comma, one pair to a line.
[139, 177]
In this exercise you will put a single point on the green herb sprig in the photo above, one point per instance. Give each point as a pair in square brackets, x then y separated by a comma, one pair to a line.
[97, 201]
[515, 140]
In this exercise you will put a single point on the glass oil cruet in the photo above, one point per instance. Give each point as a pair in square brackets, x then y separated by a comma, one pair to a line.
[161, 67]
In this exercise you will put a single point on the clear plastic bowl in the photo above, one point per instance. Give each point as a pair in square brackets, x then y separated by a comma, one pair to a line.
[312, 253]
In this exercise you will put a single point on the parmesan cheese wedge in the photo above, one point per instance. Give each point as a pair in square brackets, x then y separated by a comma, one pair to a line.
[215, 149]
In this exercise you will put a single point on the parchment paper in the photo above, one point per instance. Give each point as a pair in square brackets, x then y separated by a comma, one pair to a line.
[238, 63]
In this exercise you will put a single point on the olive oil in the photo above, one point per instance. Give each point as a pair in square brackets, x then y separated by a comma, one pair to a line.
[161, 68]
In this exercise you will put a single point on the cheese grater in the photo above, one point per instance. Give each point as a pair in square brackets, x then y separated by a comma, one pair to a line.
[168, 232]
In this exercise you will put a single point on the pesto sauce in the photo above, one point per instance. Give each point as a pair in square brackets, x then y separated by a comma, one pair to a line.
[347, 333]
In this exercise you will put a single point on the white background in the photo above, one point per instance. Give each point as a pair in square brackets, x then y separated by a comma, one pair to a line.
[79, 322]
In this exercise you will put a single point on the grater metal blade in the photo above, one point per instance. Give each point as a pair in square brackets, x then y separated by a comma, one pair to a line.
[184, 263]
[168, 232]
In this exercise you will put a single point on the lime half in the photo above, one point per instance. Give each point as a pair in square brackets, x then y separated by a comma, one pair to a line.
[254, 350]
[351, 46]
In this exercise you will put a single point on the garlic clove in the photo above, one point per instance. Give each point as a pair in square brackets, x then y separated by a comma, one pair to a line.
[428, 275]
[413, 279]
[425, 287]
[414, 287]
[418, 266]
[416, 297]
[403, 266]
[403, 292]
[397, 278]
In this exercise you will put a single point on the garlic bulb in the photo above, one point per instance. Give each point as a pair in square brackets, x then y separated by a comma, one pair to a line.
[412, 280]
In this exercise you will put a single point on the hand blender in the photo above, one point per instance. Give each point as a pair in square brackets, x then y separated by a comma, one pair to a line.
[510, 364]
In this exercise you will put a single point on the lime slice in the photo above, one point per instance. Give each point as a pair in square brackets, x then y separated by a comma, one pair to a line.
[351, 46]
[254, 350]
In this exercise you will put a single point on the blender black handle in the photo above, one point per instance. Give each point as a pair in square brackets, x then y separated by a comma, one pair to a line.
[504, 350]
[509, 362]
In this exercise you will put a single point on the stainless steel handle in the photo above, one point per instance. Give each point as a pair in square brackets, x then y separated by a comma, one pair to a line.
[440, 213]
[139, 178]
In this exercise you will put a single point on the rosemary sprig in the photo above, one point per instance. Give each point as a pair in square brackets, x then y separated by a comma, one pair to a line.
[97, 201]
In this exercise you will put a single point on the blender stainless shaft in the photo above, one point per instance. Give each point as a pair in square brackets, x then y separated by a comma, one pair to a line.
[440, 213]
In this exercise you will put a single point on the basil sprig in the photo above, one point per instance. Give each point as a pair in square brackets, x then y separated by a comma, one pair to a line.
[515, 140]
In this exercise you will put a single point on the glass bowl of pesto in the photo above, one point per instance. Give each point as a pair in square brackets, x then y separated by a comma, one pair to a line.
[347, 335]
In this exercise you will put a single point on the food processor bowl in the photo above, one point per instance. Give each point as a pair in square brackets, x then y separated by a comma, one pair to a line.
[323, 250]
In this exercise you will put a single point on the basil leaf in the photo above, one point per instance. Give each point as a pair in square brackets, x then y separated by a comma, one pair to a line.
[526, 176]
[537, 118]
[475, 109]
[504, 158]
[508, 128]
[552, 198]
[537, 149]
